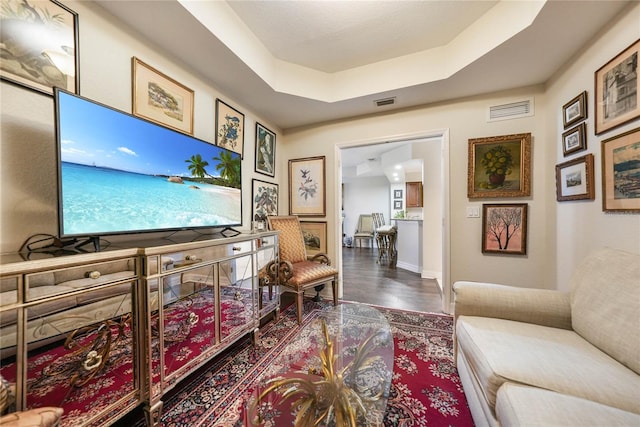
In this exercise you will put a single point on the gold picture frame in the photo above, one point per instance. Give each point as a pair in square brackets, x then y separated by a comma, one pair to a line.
[504, 228]
[161, 99]
[574, 179]
[51, 30]
[315, 236]
[499, 166]
[621, 172]
[616, 90]
[307, 183]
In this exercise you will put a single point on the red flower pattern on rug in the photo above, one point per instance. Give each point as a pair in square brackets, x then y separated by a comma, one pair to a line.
[425, 390]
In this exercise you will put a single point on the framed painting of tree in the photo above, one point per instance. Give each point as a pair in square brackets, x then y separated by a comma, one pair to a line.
[504, 228]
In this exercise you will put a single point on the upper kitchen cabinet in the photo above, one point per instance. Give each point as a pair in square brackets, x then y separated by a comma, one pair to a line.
[414, 194]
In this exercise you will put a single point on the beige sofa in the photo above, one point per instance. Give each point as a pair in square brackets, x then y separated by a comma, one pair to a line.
[533, 357]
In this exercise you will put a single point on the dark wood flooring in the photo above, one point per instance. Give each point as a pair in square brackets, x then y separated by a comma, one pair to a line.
[371, 283]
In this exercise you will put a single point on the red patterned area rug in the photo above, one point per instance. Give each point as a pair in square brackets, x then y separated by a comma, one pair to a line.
[425, 389]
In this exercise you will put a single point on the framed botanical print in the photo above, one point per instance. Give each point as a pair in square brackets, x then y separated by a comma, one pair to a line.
[264, 198]
[621, 172]
[617, 88]
[575, 110]
[307, 186]
[574, 179]
[315, 236]
[265, 151]
[40, 45]
[504, 228]
[161, 99]
[499, 166]
[574, 139]
[229, 128]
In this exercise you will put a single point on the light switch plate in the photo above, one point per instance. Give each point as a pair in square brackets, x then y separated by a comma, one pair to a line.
[473, 212]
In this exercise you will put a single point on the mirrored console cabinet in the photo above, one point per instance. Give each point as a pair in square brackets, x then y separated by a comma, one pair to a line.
[99, 334]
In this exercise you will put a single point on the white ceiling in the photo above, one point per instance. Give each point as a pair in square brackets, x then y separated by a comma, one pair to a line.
[297, 63]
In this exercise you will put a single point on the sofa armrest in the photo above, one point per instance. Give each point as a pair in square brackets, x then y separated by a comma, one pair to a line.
[538, 306]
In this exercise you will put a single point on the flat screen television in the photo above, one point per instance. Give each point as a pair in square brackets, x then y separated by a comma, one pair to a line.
[119, 174]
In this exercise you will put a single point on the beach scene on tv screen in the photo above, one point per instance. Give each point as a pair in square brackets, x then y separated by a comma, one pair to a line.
[122, 174]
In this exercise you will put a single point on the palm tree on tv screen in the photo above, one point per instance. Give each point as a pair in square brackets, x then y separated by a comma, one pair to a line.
[229, 168]
[197, 166]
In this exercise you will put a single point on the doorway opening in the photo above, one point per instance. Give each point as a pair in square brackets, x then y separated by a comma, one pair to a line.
[436, 233]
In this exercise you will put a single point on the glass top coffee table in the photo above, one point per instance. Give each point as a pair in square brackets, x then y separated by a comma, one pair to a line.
[337, 371]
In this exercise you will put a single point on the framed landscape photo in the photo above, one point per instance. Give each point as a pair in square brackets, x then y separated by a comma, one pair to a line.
[575, 110]
[617, 88]
[575, 139]
[504, 228]
[264, 197]
[229, 128]
[621, 172]
[499, 166]
[265, 151]
[307, 186]
[574, 179]
[40, 45]
[315, 236]
[161, 99]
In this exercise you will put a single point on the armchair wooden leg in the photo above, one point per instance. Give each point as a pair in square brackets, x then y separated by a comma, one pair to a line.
[334, 287]
[299, 305]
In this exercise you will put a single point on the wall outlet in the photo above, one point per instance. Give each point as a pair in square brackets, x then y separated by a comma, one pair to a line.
[473, 212]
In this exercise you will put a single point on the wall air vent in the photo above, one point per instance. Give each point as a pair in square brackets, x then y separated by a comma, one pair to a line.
[511, 110]
[385, 101]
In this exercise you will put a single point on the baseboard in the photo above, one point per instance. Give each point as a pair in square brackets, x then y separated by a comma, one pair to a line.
[407, 266]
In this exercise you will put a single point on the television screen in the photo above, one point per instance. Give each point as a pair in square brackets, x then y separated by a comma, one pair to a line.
[118, 174]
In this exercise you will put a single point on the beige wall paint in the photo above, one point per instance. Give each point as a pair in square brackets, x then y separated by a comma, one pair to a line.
[559, 233]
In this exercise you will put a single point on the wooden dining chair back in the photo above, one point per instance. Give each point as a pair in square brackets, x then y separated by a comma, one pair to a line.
[364, 231]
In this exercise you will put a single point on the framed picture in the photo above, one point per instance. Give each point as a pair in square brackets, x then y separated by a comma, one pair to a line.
[397, 204]
[617, 88]
[264, 198]
[50, 30]
[307, 186]
[575, 110]
[397, 194]
[575, 139]
[504, 228]
[315, 236]
[229, 128]
[621, 172]
[265, 151]
[160, 99]
[574, 179]
[499, 166]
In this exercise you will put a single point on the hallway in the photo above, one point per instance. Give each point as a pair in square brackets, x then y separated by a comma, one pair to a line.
[368, 282]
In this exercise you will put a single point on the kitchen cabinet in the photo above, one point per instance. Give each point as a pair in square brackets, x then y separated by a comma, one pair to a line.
[414, 194]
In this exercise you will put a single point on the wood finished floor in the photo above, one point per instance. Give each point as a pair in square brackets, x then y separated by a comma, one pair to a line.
[368, 282]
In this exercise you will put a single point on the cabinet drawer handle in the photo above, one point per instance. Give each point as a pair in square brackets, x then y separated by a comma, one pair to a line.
[92, 274]
[191, 257]
[236, 248]
[265, 242]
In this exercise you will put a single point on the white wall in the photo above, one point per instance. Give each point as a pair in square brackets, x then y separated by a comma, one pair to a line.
[27, 140]
[555, 244]
[364, 196]
[580, 226]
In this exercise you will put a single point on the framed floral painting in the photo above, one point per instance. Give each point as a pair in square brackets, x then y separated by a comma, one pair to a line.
[307, 186]
[499, 166]
[229, 128]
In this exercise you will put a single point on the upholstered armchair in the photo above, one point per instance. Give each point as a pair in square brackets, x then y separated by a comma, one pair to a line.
[296, 272]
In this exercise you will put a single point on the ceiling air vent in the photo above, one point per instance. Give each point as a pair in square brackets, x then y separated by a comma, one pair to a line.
[385, 101]
[512, 110]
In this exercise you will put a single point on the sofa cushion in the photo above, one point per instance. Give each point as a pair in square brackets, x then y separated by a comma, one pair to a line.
[560, 360]
[605, 304]
[515, 407]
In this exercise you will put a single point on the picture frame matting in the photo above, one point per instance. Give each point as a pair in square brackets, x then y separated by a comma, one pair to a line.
[307, 181]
